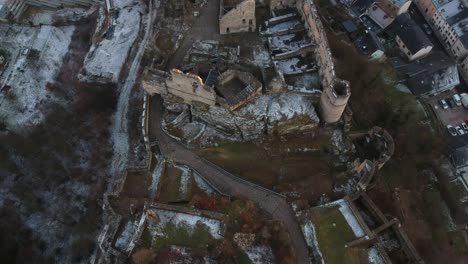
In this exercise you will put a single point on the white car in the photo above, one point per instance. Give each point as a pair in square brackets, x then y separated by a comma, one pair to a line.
[457, 99]
[464, 126]
[460, 131]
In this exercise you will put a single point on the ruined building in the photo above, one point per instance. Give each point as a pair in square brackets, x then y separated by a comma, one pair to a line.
[189, 87]
[336, 92]
[236, 16]
[12, 9]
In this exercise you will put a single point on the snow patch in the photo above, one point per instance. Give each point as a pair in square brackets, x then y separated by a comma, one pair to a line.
[191, 221]
[28, 77]
[153, 190]
[349, 216]
[311, 238]
[260, 255]
[374, 256]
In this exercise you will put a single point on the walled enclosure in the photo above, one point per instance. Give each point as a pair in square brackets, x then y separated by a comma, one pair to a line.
[236, 16]
[186, 86]
[336, 92]
[12, 9]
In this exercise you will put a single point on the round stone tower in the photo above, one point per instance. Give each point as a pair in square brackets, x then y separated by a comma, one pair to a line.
[333, 100]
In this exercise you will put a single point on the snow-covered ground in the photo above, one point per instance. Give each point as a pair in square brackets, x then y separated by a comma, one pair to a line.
[311, 238]
[201, 183]
[374, 256]
[119, 134]
[156, 176]
[260, 255]
[106, 59]
[189, 221]
[36, 58]
[349, 216]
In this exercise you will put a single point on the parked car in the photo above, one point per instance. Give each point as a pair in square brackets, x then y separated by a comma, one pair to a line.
[466, 121]
[443, 104]
[450, 102]
[464, 126]
[460, 131]
[464, 99]
[452, 131]
[457, 99]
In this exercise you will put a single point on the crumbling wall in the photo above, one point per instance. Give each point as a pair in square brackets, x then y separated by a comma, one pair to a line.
[12, 9]
[239, 19]
[336, 92]
[188, 87]
[253, 87]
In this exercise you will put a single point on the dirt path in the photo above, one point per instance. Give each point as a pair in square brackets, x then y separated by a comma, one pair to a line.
[205, 27]
[226, 182]
[120, 126]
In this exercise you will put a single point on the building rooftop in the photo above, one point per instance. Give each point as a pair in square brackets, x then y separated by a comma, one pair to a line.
[455, 13]
[410, 33]
[437, 72]
[369, 43]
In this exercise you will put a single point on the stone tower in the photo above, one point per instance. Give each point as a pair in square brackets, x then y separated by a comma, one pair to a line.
[334, 99]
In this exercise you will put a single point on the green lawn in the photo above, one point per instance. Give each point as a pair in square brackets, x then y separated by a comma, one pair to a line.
[333, 232]
[169, 185]
[271, 165]
[199, 240]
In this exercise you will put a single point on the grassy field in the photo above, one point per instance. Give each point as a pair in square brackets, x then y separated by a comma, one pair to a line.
[333, 232]
[199, 240]
[272, 166]
[169, 184]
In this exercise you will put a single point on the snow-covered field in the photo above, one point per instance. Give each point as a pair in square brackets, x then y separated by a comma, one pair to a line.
[24, 104]
[119, 134]
[189, 221]
[260, 255]
[106, 59]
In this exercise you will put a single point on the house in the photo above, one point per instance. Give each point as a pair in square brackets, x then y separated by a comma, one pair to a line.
[449, 20]
[464, 69]
[410, 39]
[370, 45]
[431, 75]
[236, 16]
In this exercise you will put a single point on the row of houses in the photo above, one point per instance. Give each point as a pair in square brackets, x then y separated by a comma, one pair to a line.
[426, 70]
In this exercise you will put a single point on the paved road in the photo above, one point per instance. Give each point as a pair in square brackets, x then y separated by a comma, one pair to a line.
[225, 182]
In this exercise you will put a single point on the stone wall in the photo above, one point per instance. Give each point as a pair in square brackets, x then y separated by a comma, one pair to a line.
[189, 87]
[12, 9]
[336, 92]
[238, 19]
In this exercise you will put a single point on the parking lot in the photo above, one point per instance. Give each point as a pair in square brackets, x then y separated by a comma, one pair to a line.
[453, 116]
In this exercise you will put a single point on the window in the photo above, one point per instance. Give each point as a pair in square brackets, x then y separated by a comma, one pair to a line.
[250, 22]
[227, 30]
[243, 21]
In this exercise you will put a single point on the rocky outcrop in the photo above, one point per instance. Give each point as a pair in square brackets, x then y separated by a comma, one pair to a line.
[267, 115]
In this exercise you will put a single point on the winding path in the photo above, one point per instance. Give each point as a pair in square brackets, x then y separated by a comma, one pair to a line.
[120, 125]
[226, 182]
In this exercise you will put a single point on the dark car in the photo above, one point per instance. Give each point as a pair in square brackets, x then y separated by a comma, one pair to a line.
[452, 131]
[450, 102]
